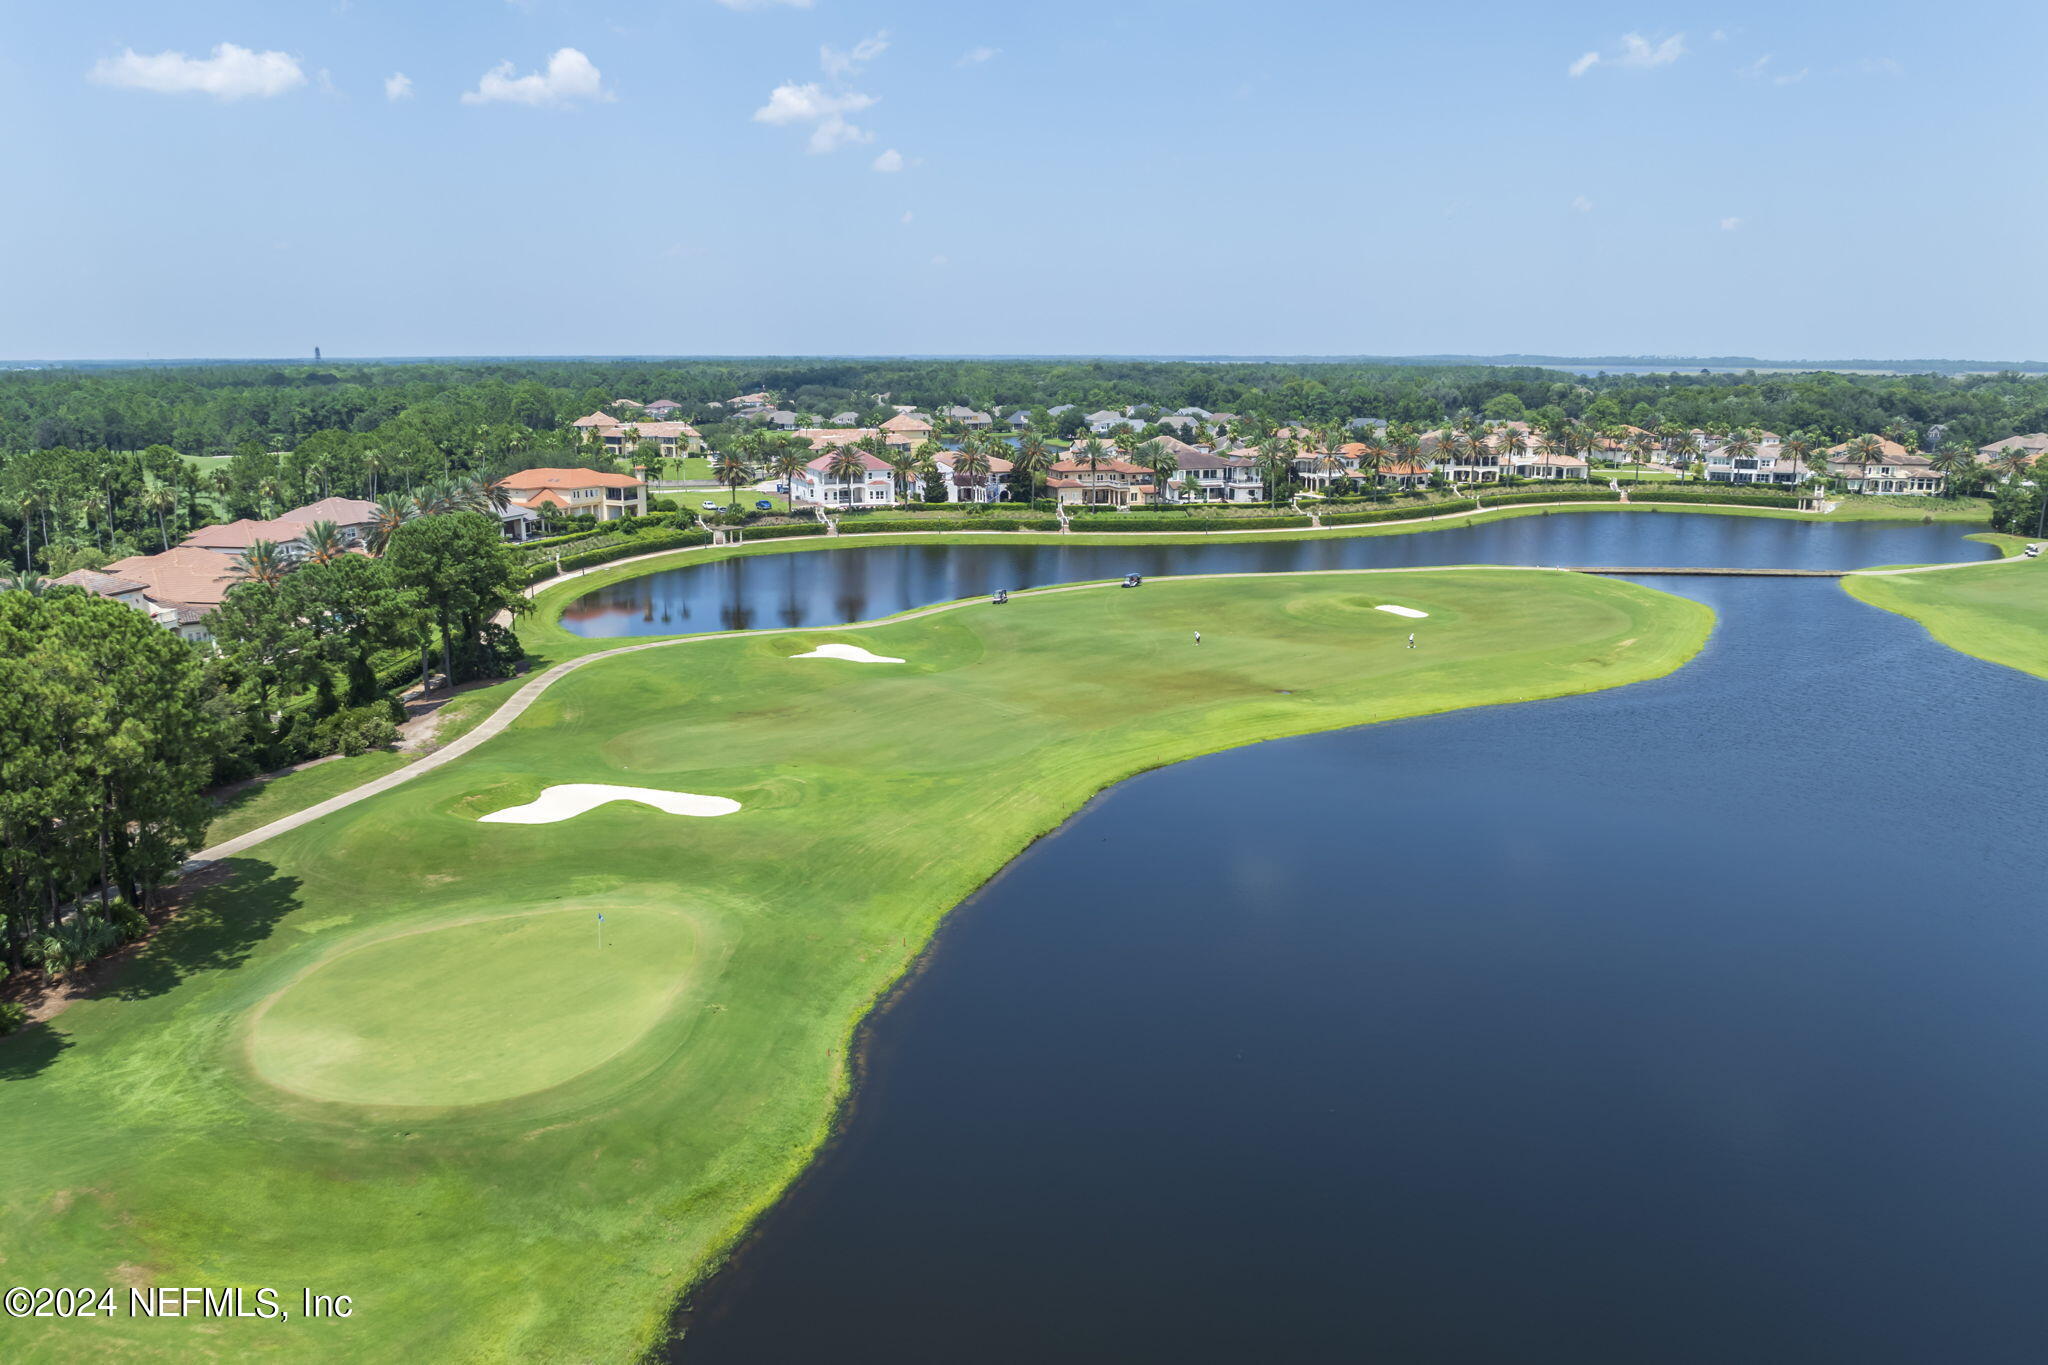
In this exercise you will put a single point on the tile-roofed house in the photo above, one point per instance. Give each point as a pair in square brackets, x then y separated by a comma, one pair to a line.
[670, 438]
[181, 585]
[606, 496]
[970, 418]
[782, 419]
[906, 429]
[2035, 445]
[845, 419]
[831, 438]
[1896, 470]
[1105, 421]
[1220, 478]
[1019, 419]
[353, 517]
[595, 419]
[1110, 482]
[127, 591]
[876, 488]
[664, 406]
[627, 403]
[954, 486]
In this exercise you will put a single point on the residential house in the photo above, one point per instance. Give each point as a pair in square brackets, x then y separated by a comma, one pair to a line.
[831, 438]
[875, 488]
[1474, 461]
[596, 421]
[1063, 407]
[1199, 414]
[182, 586]
[1221, 478]
[672, 439]
[1180, 422]
[1540, 462]
[1111, 482]
[1896, 470]
[663, 409]
[1767, 462]
[845, 419]
[629, 404]
[971, 419]
[954, 486]
[353, 517]
[579, 492]
[2034, 446]
[1019, 420]
[1402, 475]
[906, 430]
[184, 619]
[1104, 422]
[781, 419]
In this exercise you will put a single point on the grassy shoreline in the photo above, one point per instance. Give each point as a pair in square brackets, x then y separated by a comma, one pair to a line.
[1997, 611]
[454, 1224]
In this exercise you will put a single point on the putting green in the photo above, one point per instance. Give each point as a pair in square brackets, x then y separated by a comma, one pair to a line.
[474, 1011]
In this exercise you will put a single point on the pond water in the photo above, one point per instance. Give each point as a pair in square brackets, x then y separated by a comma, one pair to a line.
[1704, 1020]
[856, 583]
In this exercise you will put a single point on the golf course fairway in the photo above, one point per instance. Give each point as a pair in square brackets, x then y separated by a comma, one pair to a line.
[1997, 610]
[394, 1055]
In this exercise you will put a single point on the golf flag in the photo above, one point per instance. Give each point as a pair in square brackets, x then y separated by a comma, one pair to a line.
[600, 919]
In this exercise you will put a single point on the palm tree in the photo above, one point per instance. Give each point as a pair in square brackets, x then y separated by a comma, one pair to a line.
[847, 464]
[373, 465]
[1512, 443]
[2013, 463]
[787, 463]
[1372, 458]
[31, 505]
[1032, 460]
[34, 584]
[268, 495]
[393, 511]
[1951, 460]
[323, 542]
[1684, 447]
[1154, 456]
[262, 563]
[734, 473]
[1740, 445]
[1640, 444]
[161, 500]
[1274, 464]
[972, 463]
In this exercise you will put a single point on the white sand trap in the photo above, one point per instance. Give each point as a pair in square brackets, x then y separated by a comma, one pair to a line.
[853, 654]
[574, 798]
[1409, 612]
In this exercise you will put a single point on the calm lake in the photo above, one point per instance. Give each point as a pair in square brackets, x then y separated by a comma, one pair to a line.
[1703, 1020]
[855, 583]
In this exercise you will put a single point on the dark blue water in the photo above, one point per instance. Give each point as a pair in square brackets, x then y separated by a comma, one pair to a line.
[854, 583]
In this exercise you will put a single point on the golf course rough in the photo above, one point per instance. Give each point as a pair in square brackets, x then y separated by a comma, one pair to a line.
[391, 1057]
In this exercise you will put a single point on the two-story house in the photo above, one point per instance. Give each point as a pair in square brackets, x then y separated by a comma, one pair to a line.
[1896, 470]
[1109, 482]
[876, 487]
[906, 430]
[1218, 478]
[579, 492]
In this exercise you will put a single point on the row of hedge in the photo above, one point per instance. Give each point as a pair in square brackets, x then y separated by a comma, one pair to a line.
[1721, 493]
[882, 527]
[1120, 522]
[651, 542]
[781, 529]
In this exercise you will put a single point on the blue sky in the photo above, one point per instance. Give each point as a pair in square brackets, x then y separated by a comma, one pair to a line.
[890, 176]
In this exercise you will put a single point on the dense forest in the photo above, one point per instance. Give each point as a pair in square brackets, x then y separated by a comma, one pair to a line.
[102, 461]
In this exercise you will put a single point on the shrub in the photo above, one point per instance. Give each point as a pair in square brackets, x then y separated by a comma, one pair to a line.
[13, 1014]
[810, 528]
[1120, 522]
[355, 730]
[652, 543]
[127, 919]
[1722, 493]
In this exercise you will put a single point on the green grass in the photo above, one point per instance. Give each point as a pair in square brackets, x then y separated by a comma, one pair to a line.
[319, 1073]
[1998, 611]
[256, 806]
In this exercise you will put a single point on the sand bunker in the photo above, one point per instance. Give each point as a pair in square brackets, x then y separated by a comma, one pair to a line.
[1405, 611]
[574, 798]
[853, 654]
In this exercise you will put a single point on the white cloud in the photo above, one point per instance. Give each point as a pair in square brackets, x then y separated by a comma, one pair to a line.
[1581, 204]
[975, 56]
[808, 103]
[397, 86]
[231, 73]
[1881, 66]
[1637, 54]
[1790, 77]
[811, 103]
[1730, 224]
[570, 77]
[889, 162]
[837, 63]
[1755, 68]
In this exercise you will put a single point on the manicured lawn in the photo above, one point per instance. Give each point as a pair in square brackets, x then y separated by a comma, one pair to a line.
[1997, 612]
[389, 1058]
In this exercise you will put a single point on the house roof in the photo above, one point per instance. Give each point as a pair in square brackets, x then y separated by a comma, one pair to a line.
[906, 421]
[663, 405]
[868, 462]
[826, 438]
[182, 575]
[345, 511]
[2037, 442]
[567, 478]
[626, 403]
[1202, 459]
[1894, 453]
[1108, 462]
[596, 419]
[655, 431]
[101, 584]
